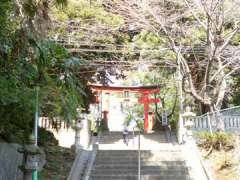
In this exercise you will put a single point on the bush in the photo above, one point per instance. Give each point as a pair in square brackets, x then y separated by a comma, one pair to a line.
[217, 140]
[46, 138]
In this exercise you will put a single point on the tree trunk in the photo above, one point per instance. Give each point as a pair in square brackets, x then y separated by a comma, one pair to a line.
[157, 122]
[216, 117]
[204, 108]
[221, 94]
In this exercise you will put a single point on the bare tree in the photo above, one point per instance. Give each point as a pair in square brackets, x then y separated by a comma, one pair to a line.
[212, 53]
[199, 33]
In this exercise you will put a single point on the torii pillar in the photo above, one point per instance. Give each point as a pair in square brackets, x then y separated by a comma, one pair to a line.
[145, 100]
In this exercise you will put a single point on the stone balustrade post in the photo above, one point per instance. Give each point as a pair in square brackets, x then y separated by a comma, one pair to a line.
[187, 116]
[77, 128]
[85, 132]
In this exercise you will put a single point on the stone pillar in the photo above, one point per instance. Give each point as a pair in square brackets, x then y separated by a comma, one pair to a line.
[77, 128]
[188, 115]
[180, 129]
[85, 132]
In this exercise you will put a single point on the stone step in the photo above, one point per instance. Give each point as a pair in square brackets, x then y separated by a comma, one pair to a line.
[148, 171]
[146, 163]
[119, 156]
[130, 153]
[116, 133]
[134, 168]
[120, 136]
[132, 159]
[162, 161]
[143, 177]
[107, 152]
[141, 154]
[160, 137]
[119, 139]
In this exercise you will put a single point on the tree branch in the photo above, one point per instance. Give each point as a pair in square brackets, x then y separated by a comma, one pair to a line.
[195, 15]
[227, 41]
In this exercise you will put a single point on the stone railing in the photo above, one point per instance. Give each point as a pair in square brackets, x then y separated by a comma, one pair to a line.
[197, 167]
[53, 123]
[208, 122]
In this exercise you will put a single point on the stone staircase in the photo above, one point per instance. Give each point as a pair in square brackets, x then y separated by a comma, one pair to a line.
[164, 163]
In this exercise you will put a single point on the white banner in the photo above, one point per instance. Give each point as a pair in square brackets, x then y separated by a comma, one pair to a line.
[164, 119]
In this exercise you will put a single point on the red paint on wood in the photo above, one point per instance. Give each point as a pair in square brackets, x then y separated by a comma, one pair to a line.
[146, 108]
[145, 100]
[141, 89]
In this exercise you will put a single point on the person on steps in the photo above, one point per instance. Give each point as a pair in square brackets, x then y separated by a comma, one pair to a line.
[125, 135]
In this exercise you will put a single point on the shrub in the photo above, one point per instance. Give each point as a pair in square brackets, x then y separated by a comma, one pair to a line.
[217, 140]
[46, 138]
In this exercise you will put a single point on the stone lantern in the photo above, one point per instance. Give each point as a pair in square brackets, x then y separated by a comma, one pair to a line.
[77, 127]
[187, 116]
[33, 159]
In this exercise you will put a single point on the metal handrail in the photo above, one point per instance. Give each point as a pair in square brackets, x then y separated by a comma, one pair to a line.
[139, 155]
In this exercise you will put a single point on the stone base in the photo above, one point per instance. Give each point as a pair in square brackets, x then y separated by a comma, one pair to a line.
[77, 148]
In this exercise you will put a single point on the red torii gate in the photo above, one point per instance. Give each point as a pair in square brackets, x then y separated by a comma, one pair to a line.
[145, 91]
[145, 100]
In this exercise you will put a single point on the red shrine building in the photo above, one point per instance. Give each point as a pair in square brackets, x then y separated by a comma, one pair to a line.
[127, 96]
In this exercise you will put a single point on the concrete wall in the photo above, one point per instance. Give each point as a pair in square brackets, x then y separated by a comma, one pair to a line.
[10, 159]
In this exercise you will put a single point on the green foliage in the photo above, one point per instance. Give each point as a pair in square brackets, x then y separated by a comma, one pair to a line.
[103, 39]
[167, 93]
[86, 15]
[50, 67]
[59, 163]
[46, 138]
[28, 61]
[134, 113]
[83, 11]
[236, 99]
[217, 140]
[121, 38]
[130, 117]
[235, 84]
[16, 110]
[140, 124]
[236, 40]
[149, 39]
[198, 35]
